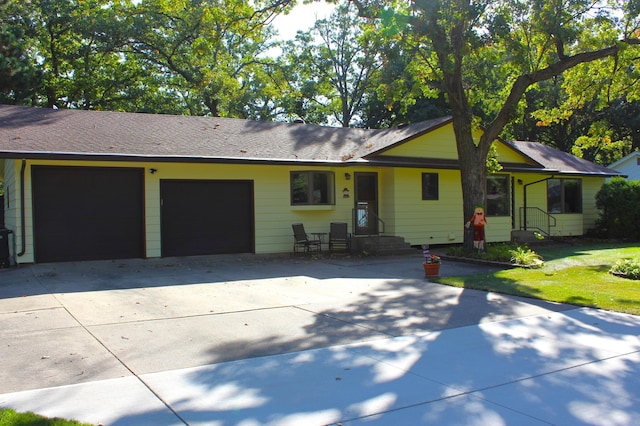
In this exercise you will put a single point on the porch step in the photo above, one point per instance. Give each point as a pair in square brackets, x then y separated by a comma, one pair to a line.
[382, 245]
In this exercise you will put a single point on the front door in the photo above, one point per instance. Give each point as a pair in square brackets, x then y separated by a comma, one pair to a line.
[366, 203]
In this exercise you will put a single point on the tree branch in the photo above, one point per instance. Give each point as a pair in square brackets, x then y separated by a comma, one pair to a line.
[523, 82]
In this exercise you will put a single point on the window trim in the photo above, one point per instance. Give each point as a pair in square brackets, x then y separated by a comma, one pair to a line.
[330, 189]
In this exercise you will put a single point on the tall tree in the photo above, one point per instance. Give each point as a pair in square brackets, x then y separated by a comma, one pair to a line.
[534, 39]
[340, 63]
[19, 76]
[212, 47]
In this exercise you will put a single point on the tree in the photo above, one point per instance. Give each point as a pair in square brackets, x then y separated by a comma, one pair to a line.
[210, 47]
[19, 77]
[535, 41]
[333, 67]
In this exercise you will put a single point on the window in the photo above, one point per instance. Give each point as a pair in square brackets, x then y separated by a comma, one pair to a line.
[429, 186]
[498, 195]
[564, 196]
[309, 188]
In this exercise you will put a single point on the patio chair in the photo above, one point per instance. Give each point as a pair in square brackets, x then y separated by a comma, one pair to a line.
[302, 241]
[339, 237]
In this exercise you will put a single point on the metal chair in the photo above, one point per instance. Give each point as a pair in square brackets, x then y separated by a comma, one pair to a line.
[339, 236]
[302, 241]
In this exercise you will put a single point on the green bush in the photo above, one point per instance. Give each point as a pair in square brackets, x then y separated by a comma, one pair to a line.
[619, 203]
[524, 256]
[501, 252]
[628, 268]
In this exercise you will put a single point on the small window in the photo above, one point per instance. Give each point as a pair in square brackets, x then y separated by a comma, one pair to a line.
[564, 196]
[498, 195]
[312, 188]
[429, 186]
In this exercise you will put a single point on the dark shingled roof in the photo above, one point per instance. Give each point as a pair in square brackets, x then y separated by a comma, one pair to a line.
[47, 133]
[554, 160]
[31, 131]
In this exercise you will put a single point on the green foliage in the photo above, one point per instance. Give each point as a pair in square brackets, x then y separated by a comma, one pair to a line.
[628, 268]
[9, 417]
[501, 252]
[619, 203]
[523, 256]
[493, 166]
[576, 274]
[19, 77]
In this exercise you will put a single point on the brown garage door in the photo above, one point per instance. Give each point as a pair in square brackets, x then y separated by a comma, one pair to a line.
[87, 213]
[206, 217]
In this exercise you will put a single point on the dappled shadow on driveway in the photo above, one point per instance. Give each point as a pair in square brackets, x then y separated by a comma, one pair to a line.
[553, 368]
[320, 342]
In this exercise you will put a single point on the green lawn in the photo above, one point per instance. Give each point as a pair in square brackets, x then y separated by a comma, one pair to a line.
[577, 274]
[10, 417]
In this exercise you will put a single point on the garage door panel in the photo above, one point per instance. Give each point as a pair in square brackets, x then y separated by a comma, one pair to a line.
[85, 213]
[206, 217]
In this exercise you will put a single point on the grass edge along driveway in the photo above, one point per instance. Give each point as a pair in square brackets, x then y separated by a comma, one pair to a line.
[575, 274]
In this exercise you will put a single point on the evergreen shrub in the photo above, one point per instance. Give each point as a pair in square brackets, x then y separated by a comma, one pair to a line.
[619, 203]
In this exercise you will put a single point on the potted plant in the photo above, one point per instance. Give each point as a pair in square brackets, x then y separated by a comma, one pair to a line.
[431, 265]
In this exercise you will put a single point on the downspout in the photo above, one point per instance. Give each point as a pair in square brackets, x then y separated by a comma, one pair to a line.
[525, 197]
[23, 226]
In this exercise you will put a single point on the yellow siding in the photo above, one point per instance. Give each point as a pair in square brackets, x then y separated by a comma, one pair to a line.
[590, 187]
[508, 155]
[400, 202]
[273, 212]
[428, 221]
[439, 143]
[566, 224]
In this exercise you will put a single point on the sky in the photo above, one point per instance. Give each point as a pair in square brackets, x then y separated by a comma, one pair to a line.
[302, 17]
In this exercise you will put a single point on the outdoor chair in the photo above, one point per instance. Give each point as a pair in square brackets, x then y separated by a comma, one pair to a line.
[339, 237]
[302, 241]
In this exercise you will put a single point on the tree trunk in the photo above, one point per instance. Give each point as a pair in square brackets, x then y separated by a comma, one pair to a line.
[472, 173]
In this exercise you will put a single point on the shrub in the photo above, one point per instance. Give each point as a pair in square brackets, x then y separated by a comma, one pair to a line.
[524, 256]
[501, 252]
[619, 203]
[628, 268]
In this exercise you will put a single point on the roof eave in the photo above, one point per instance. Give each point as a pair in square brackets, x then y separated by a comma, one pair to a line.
[162, 158]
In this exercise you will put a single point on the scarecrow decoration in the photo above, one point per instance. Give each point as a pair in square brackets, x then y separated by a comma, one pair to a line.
[479, 221]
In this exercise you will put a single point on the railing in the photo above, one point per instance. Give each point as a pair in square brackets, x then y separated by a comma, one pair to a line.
[534, 218]
[366, 220]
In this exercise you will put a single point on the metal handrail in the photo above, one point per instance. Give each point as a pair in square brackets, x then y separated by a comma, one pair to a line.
[369, 213]
[534, 218]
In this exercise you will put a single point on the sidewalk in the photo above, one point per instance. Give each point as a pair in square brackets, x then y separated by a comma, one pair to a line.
[290, 341]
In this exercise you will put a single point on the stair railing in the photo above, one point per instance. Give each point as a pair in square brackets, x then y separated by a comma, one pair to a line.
[534, 218]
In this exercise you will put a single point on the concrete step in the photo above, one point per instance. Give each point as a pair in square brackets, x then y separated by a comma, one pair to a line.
[382, 245]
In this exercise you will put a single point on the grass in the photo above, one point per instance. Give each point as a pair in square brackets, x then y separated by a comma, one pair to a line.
[576, 274]
[10, 417]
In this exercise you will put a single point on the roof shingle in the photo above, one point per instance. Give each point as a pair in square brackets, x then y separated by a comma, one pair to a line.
[49, 133]
[39, 130]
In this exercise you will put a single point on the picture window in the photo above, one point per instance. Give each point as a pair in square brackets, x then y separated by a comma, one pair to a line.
[312, 188]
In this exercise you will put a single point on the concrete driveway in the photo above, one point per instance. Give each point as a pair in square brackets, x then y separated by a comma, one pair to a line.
[251, 340]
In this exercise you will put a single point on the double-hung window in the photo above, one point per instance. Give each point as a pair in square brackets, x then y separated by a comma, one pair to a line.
[312, 188]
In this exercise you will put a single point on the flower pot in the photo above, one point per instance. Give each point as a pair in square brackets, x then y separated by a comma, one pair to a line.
[431, 269]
